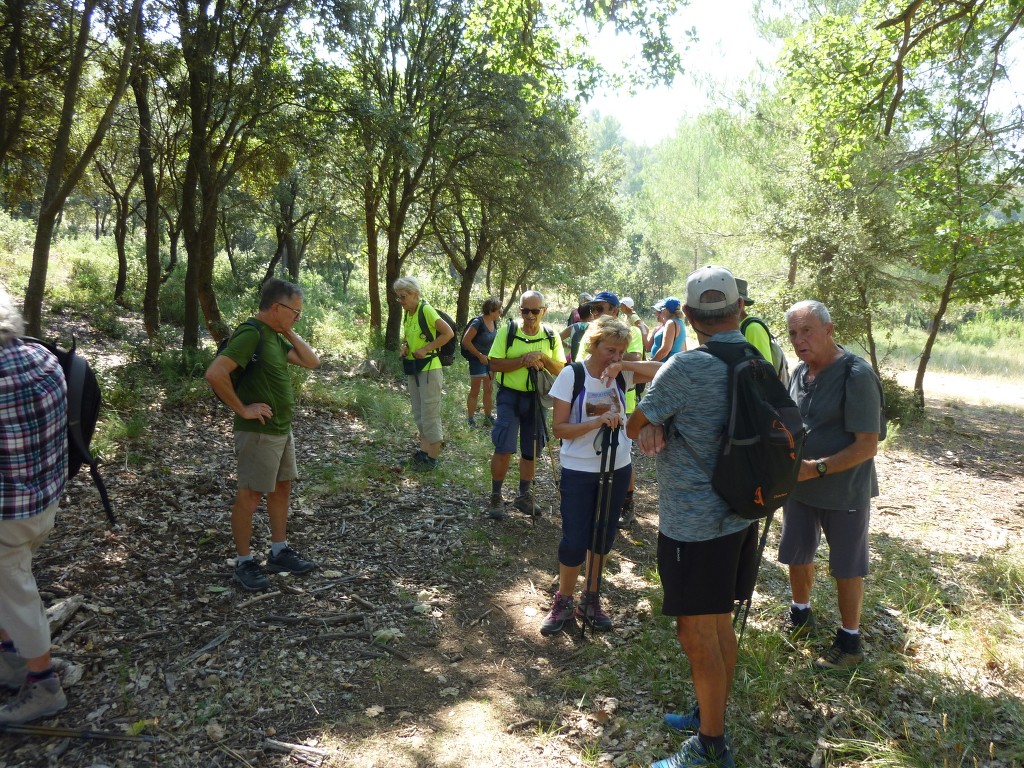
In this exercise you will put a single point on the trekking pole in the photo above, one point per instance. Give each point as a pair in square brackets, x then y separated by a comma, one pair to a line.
[73, 733]
[537, 417]
[603, 500]
[757, 569]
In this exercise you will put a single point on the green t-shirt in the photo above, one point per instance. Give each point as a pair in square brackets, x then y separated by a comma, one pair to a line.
[521, 344]
[414, 337]
[269, 382]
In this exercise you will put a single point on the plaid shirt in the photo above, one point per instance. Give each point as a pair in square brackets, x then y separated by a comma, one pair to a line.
[33, 430]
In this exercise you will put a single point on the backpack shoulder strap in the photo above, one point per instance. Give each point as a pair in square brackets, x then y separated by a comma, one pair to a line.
[424, 328]
[510, 334]
[578, 379]
[751, 319]
[550, 333]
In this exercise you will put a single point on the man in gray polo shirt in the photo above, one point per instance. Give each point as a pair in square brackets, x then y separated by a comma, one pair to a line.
[839, 397]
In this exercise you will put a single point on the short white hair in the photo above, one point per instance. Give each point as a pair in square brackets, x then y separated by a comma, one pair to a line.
[408, 283]
[530, 295]
[814, 306]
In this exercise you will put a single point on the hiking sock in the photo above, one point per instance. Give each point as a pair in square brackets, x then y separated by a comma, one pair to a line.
[276, 547]
[801, 606]
[496, 487]
[714, 746]
[37, 677]
[524, 487]
[851, 632]
[239, 559]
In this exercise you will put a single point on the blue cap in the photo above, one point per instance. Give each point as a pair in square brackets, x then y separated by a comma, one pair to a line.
[672, 304]
[608, 297]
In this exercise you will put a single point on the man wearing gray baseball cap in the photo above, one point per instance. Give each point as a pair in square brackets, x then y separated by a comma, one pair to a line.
[706, 552]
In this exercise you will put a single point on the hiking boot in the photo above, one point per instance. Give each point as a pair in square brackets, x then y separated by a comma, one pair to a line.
[689, 721]
[801, 622]
[693, 753]
[561, 612]
[846, 652]
[288, 561]
[251, 576]
[488, 420]
[12, 670]
[527, 505]
[496, 507]
[471, 421]
[33, 701]
[589, 610]
[417, 459]
[628, 514]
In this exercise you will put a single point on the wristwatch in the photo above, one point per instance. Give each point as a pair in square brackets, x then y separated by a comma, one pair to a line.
[822, 468]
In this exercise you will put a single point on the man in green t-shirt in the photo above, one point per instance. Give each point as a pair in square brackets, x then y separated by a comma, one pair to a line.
[533, 346]
[263, 404]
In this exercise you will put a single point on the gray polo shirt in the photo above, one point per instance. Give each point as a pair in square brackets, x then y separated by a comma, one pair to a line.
[843, 399]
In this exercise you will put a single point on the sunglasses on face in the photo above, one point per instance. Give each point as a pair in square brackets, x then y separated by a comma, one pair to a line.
[528, 311]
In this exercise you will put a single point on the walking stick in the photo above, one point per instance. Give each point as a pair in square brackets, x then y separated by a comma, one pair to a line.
[602, 510]
[757, 569]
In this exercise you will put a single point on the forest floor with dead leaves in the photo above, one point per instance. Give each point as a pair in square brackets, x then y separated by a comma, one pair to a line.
[415, 642]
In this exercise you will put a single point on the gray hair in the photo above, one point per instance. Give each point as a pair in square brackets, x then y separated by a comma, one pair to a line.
[409, 284]
[813, 306]
[11, 323]
[714, 316]
[530, 295]
[277, 290]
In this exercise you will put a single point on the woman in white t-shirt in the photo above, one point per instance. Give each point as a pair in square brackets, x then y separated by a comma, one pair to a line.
[579, 422]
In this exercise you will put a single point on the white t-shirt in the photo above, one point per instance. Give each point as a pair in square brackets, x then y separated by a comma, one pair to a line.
[596, 399]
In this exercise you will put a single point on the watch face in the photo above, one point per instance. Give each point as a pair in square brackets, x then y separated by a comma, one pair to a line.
[822, 468]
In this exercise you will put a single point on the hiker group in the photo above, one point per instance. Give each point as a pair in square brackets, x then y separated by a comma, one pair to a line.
[618, 382]
[817, 431]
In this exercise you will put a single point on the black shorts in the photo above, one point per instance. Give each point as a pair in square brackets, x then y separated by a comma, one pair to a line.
[701, 578]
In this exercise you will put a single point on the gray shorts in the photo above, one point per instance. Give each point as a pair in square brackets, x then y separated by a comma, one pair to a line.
[264, 460]
[846, 532]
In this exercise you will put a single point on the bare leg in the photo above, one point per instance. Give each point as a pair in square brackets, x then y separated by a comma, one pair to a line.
[851, 598]
[710, 645]
[246, 501]
[277, 510]
[499, 465]
[801, 579]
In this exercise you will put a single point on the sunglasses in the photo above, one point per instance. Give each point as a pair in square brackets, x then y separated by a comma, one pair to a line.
[528, 311]
[296, 312]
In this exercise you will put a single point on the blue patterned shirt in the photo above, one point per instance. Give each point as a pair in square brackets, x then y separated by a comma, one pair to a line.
[33, 430]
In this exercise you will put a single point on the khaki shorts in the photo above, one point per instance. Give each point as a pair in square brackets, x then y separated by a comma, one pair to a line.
[264, 460]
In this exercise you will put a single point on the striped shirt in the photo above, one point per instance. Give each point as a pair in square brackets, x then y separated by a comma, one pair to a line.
[33, 430]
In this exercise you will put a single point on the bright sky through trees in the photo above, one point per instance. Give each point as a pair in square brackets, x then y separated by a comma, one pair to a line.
[727, 52]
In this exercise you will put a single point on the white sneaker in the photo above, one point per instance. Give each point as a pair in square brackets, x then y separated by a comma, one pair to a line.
[33, 701]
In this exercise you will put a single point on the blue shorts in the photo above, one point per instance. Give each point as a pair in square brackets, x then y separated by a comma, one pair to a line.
[579, 513]
[516, 418]
[476, 368]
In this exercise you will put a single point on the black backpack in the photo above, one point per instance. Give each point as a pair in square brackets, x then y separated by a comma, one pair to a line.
[779, 360]
[84, 400]
[760, 453]
[239, 373]
[462, 347]
[446, 354]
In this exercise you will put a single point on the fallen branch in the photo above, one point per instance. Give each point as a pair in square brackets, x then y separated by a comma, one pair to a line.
[60, 613]
[329, 636]
[258, 598]
[283, 746]
[355, 596]
[73, 733]
[208, 647]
